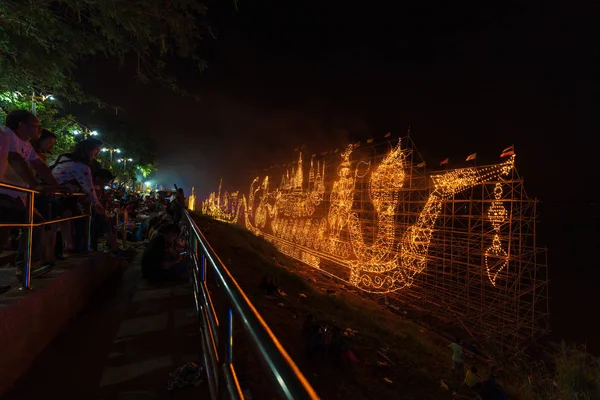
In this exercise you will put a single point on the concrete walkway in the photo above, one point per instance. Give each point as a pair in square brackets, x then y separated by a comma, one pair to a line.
[122, 347]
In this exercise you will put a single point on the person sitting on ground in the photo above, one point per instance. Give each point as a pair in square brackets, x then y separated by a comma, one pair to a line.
[152, 225]
[159, 264]
[491, 389]
[336, 347]
[340, 349]
[318, 342]
[165, 220]
[472, 379]
[457, 358]
[269, 286]
[307, 326]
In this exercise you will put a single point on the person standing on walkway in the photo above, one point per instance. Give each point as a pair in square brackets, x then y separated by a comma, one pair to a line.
[161, 260]
[457, 359]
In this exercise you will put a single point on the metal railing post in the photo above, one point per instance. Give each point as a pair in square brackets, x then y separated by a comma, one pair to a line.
[229, 346]
[89, 230]
[202, 268]
[194, 253]
[229, 383]
[287, 381]
[27, 272]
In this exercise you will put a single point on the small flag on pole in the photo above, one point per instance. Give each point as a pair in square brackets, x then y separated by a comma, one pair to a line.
[357, 144]
[472, 157]
[421, 165]
[388, 134]
[324, 153]
[509, 151]
[335, 151]
[444, 162]
[370, 141]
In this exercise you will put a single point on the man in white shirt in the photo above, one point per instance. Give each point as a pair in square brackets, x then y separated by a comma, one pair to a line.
[16, 168]
[21, 127]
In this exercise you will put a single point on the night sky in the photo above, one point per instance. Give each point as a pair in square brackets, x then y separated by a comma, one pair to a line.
[468, 77]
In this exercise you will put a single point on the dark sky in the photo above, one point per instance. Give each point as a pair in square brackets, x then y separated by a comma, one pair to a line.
[468, 76]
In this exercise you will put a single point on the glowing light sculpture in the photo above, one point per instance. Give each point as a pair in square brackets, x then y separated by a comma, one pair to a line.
[379, 222]
[496, 258]
[192, 201]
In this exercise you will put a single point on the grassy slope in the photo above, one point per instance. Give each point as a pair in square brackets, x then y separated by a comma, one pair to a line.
[419, 360]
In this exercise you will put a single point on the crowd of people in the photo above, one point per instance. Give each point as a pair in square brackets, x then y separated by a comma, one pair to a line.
[76, 184]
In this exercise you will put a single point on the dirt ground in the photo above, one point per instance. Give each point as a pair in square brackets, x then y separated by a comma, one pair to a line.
[396, 359]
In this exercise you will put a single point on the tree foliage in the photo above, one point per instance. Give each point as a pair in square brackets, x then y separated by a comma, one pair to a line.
[138, 148]
[125, 134]
[49, 115]
[42, 41]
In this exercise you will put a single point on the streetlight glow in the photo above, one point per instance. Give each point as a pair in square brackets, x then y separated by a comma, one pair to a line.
[85, 132]
[111, 150]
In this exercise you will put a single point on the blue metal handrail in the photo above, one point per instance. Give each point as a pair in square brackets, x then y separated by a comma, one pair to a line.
[30, 193]
[217, 328]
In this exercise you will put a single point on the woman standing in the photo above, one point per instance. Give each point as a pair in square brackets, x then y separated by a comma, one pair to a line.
[72, 170]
